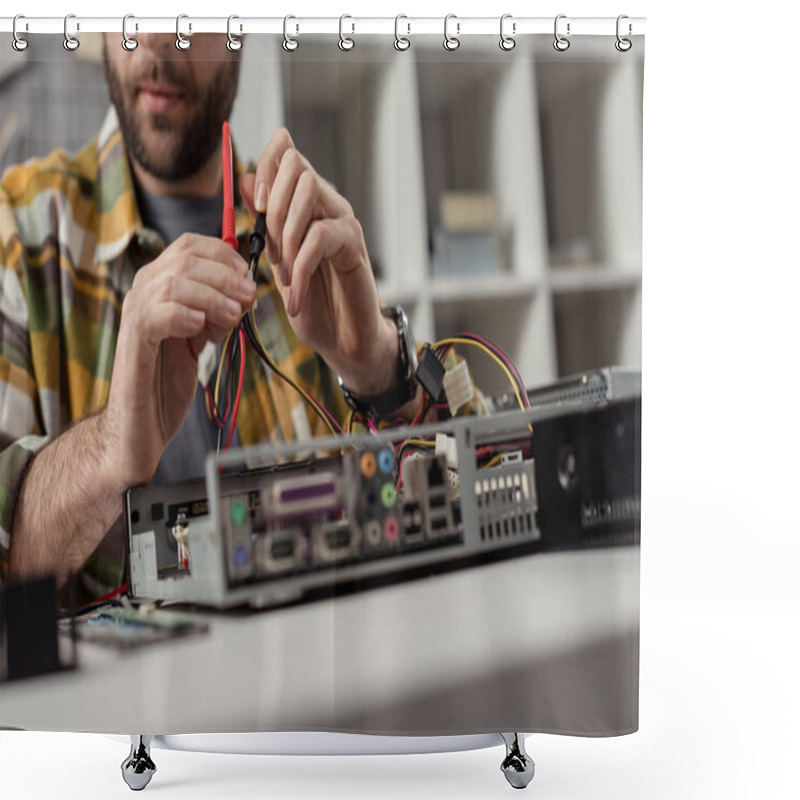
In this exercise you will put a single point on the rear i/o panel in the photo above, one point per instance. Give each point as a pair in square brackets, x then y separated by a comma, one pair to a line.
[390, 505]
[352, 511]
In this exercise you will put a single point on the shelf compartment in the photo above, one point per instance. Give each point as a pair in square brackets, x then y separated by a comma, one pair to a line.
[598, 329]
[591, 138]
[478, 135]
[355, 117]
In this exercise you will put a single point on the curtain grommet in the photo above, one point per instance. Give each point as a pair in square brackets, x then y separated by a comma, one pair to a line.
[560, 43]
[451, 43]
[181, 42]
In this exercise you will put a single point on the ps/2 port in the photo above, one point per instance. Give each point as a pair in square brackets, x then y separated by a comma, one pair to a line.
[238, 512]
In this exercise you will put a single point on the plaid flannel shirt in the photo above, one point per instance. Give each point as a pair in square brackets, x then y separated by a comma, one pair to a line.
[71, 240]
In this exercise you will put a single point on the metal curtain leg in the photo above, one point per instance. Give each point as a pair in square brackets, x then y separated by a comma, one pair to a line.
[138, 768]
[517, 766]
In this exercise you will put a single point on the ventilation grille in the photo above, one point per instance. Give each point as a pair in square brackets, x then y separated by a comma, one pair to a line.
[506, 499]
[590, 388]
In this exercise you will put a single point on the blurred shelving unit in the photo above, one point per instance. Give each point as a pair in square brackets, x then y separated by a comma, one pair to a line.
[552, 141]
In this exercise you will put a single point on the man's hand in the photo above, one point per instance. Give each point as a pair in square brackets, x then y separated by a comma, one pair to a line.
[321, 267]
[194, 292]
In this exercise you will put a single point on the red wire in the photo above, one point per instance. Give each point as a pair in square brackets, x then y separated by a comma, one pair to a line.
[111, 595]
[218, 423]
[228, 213]
[238, 390]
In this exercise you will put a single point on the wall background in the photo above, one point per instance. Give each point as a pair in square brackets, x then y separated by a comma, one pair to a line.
[720, 597]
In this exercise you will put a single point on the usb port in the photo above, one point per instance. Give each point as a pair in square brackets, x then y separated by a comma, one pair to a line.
[437, 500]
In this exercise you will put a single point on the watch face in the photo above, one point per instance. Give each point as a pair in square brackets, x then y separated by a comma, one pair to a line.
[410, 343]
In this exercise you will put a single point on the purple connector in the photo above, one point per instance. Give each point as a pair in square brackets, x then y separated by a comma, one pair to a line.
[312, 492]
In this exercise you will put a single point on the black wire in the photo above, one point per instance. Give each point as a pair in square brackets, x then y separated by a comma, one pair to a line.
[64, 613]
[225, 381]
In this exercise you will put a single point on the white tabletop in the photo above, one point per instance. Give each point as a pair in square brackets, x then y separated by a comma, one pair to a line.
[540, 642]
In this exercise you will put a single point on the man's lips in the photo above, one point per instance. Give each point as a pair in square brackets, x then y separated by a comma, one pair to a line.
[159, 99]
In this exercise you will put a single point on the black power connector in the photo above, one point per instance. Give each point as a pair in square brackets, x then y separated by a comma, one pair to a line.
[258, 241]
[430, 374]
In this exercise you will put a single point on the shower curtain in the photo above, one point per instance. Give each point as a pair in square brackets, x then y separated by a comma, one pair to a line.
[498, 191]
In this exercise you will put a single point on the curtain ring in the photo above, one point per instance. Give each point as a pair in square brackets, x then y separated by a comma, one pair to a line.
[70, 42]
[561, 43]
[401, 42]
[290, 44]
[345, 42]
[623, 45]
[128, 42]
[18, 43]
[507, 42]
[234, 44]
[182, 43]
[451, 42]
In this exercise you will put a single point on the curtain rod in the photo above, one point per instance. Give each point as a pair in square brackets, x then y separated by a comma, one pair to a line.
[350, 25]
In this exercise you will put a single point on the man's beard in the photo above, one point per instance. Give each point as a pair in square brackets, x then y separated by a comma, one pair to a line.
[195, 141]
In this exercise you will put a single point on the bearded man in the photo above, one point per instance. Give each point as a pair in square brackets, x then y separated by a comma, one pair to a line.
[114, 278]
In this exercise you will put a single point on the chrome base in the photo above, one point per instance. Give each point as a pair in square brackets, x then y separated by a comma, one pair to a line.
[517, 766]
[138, 768]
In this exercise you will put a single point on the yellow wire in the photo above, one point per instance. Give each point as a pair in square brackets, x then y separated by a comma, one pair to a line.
[216, 385]
[419, 442]
[219, 370]
[458, 340]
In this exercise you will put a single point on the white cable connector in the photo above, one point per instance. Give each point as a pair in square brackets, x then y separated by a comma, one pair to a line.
[446, 446]
[206, 362]
[458, 387]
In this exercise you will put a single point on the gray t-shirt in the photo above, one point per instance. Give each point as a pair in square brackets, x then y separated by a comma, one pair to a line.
[184, 457]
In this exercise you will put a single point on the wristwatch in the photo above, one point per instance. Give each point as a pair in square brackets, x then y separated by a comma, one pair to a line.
[405, 385]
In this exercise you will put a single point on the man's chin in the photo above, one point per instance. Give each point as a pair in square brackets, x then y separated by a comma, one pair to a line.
[157, 151]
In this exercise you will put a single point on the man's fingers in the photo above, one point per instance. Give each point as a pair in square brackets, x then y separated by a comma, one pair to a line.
[218, 308]
[212, 274]
[326, 238]
[298, 196]
[190, 245]
[172, 320]
[182, 256]
[314, 198]
[293, 168]
[268, 164]
[298, 218]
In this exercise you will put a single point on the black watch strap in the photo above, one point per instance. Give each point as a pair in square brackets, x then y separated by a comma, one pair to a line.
[405, 385]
